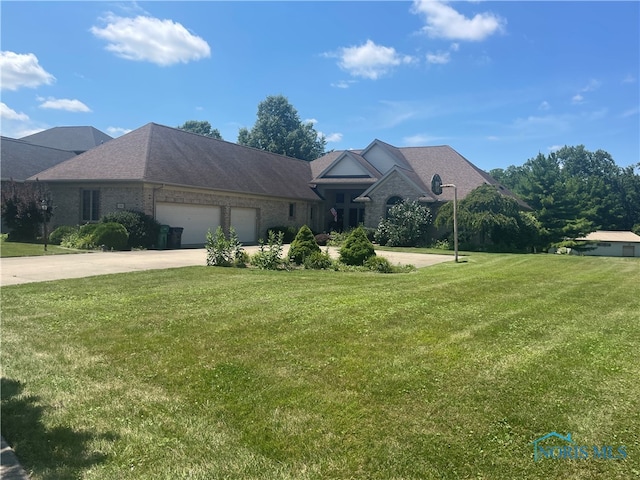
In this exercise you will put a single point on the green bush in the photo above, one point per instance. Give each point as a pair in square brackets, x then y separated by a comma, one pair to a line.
[288, 233]
[318, 261]
[143, 229]
[378, 264]
[356, 248]
[87, 229]
[222, 252]
[59, 234]
[405, 226]
[269, 257]
[303, 245]
[112, 235]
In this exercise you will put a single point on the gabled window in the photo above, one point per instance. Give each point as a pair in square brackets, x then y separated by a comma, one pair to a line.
[90, 205]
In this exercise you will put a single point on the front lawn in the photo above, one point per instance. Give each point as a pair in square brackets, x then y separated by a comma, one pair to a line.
[21, 249]
[205, 373]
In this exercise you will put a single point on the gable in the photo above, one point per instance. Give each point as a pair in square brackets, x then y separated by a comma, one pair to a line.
[384, 156]
[346, 166]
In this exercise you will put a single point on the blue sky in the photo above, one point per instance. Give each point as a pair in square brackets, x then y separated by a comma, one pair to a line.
[498, 81]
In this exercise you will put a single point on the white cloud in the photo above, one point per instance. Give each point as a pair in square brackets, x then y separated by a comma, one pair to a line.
[443, 21]
[421, 140]
[370, 60]
[66, 104]
[342, 84]
[7, 113]
[439, 58]
[554, 148]
[577, 99]
[493, 138]
[333, 137]
[149, 39]
[544, 106]
[117, 131]
[312, 121]
[629, 79]
[22, 70]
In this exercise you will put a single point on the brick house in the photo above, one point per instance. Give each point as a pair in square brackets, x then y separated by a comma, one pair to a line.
[198, 183]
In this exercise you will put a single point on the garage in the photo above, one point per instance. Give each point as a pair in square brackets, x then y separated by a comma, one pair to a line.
[244, 221]
[195, 219]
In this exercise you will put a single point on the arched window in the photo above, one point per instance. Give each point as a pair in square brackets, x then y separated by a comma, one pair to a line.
[391, 202]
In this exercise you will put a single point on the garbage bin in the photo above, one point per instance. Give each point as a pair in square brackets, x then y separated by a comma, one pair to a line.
[175, 237]
[162, 237]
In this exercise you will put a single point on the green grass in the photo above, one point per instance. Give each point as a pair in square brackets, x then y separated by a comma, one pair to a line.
[20, 249]
[449, 372]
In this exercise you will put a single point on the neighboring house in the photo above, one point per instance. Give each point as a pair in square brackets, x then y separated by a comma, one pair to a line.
[199, 183]
[74, 139]
[613, 244]
[185, 180]
[361, 185]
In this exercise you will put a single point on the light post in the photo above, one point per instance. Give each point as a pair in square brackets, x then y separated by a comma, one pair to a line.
[45, 207]
[455, 217]
[436, 188]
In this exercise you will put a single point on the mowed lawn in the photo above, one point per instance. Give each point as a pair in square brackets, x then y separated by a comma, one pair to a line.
[209, 373]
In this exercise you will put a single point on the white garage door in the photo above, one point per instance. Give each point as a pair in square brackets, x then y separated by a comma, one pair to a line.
[195, 219]
[243, 220]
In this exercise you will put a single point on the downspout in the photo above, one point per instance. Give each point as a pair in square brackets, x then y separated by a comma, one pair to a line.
[154, 199]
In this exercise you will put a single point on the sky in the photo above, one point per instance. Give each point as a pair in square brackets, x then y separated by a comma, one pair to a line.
[499, 82]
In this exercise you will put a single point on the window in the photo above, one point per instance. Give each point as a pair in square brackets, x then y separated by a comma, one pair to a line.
[339, 197]
[90, 205]
[292, 210]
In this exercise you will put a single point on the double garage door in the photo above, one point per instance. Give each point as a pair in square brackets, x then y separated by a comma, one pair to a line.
[196, 220]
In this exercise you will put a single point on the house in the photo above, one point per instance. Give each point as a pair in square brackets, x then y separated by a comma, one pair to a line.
[361, 185]
[613, 244]
[184, 180]
[74, 139]
[199, 183]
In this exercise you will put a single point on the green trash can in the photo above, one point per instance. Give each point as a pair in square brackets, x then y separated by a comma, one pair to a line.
[162, 237]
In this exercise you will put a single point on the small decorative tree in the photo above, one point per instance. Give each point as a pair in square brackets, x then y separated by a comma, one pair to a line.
[357, 248]
[303, 245]
[222, 252]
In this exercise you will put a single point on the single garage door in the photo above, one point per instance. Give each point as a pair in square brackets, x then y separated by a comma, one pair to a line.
[195, 219]
[244, 220]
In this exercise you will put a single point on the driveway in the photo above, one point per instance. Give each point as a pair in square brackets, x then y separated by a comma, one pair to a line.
[18, 270]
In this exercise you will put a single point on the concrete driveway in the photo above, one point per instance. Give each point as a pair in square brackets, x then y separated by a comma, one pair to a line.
[56, 267]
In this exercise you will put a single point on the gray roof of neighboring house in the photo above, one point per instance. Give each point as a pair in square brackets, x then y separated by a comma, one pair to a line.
[76, 139]
[20, 160]
[159, 154]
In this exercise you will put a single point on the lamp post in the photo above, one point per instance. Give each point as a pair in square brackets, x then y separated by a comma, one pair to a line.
[455, 217]
[45, 207]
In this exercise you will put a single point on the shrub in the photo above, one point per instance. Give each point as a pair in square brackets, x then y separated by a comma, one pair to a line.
[269, 257]
[337, 238]
[318, 261]
[112, 235]
[303, 245]
[289, 233]
[222, 252]
[378, 264]
[356, 248]
[76, 240]
[405, 226]
[143, 229]
[59, 234]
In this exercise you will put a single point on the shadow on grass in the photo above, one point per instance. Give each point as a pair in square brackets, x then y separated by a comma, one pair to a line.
[50, 453]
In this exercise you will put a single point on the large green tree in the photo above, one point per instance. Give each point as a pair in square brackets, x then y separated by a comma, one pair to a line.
[574, 191]
[201, 127]
[278, 129]
[489, 220]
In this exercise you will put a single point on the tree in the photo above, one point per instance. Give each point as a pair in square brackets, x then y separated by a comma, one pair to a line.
[489, 220]
[201, 128]
[357, 248]
[406, 225]
[278, 129]
[303, 245]
[22, 209]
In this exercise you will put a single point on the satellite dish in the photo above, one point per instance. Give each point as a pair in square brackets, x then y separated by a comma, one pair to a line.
[436, 184]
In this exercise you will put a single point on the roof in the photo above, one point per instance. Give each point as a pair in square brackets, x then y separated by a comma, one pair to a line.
[164, 155]
[21, 160]
[611, 236]
[421, 164]
[76, 139]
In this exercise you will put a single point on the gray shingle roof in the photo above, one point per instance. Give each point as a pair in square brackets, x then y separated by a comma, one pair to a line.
[160, 154]
[75, 139]
[20, 160]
